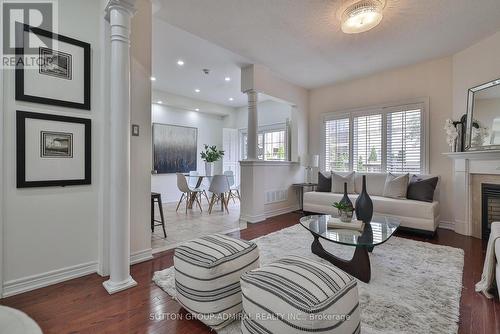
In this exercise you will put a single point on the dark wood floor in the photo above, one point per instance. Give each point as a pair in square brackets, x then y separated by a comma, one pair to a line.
[83, 306]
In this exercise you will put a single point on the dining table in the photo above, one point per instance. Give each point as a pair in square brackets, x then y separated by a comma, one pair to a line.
[199, 181]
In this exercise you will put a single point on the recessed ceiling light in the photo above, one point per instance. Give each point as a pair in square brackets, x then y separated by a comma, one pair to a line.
[153, 79]
[180, 62]
[197, 109]
[160, 102]
[227, 78]
[197, 90]
[231, 99]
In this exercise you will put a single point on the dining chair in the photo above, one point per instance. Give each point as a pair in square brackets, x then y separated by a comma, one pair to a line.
[194, 179]
[190, 195]
[234, 190]
[219, 187]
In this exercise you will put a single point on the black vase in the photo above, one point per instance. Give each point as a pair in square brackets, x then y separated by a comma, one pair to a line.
[345, 200]
[364, 205]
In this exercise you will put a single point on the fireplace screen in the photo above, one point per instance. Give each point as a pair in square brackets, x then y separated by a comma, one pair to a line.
[491, 207]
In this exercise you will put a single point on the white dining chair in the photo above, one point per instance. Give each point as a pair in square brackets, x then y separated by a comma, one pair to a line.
[194, 178]
[234, 190]
[219, 187]
[190, 195]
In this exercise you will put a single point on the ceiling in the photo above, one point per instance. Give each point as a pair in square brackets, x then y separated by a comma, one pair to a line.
[171, 44]
[302, 41]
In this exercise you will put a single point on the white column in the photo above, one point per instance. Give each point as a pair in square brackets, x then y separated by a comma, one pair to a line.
[119, 13]
[253, 123]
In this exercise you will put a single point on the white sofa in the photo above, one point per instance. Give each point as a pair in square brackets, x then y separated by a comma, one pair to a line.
[414, 215]
[497, 257]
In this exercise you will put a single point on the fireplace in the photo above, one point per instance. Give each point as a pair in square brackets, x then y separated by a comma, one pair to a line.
[490, 209]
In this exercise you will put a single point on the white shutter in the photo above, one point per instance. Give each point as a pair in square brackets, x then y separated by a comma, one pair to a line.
[337, 145]
[367, 143]
[404, 141]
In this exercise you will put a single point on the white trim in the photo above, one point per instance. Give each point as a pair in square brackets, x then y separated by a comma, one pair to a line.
[282, 211]
[267, 163]
[475, 155]
[141, 256]
[447, 225]
[2, 161]
[38, 281]
[253, 219]
[422, 102]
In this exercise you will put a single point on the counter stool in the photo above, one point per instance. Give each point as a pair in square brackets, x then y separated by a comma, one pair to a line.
[156, 197]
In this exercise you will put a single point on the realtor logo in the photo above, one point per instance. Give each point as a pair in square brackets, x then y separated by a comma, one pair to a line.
[39, 14]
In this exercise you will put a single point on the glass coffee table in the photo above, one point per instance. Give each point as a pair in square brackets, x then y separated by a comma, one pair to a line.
[375, 233]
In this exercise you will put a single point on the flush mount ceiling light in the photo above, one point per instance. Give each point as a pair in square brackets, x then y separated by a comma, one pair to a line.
[197, 90]
[180, 62]
[227, 79]
[153, 79]
[358, 16]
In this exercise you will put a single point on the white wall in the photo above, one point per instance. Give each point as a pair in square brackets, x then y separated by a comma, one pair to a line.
[209, 132]
[269, 112]
[54, 228]
[431, 79]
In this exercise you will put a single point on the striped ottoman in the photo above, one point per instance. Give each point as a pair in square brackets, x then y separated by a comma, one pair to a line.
[207, 276]
[297, 295]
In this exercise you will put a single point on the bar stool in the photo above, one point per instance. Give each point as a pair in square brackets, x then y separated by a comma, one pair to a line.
[156, 197]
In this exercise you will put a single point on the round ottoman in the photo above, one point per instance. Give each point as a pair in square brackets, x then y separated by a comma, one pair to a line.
[207, 277]
[297, 295]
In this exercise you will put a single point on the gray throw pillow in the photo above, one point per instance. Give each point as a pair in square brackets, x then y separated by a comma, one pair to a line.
[339, 180]
[324, 183]
[421, 189]
[396, 186]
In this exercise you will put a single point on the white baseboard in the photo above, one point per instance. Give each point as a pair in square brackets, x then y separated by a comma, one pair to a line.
[141, 256]
[29, 283]
[281, 211]
[447, 225]
[253, 219]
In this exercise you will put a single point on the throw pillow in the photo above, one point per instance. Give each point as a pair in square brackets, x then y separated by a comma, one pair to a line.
[324, 183]
[396, 186]
[421, 189]
[339, 180]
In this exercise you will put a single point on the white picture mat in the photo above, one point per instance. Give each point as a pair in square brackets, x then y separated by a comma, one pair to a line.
[50, 169]
[42, 85]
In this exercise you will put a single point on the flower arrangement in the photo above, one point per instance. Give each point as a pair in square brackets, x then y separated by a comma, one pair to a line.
[451, 132]
[345, 211]
[211, 154]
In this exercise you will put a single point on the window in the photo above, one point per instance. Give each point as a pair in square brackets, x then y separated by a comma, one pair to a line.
[376, 140]
[271, 143]
[367, 143]
[337, 145]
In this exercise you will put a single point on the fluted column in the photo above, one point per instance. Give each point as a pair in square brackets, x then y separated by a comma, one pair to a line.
[119, 14]
[253, 123]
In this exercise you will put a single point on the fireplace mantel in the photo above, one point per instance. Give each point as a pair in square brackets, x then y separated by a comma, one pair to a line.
[467, 165]
[475, 155]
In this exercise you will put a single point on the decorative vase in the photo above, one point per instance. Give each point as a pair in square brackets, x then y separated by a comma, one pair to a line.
[364, 205]
[345, 200]
[209, 168]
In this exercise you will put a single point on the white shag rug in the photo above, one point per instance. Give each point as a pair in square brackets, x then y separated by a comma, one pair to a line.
[415, 286]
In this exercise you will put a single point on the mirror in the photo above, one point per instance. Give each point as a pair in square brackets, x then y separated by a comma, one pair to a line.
[483, 117]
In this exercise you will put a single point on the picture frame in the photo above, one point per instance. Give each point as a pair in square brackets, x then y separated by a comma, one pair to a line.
[61, 76]
[52, 150]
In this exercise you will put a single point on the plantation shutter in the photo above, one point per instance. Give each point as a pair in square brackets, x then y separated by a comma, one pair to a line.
[367, 143]
[337, 145]
[404, 140]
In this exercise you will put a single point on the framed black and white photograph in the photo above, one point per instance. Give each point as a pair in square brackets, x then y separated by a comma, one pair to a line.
[60, 72]
[52, 150]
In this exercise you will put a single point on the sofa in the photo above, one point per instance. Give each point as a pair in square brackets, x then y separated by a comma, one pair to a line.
[417, 216]
[497, 257]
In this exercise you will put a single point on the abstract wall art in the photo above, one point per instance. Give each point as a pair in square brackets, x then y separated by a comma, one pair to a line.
[174, 148]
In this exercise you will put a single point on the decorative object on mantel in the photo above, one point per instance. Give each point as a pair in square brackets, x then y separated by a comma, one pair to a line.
[310, 161]
[211, 155]
[451, 134]
[364, 204]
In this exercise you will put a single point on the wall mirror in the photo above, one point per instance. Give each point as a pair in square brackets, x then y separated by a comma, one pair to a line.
[483, 117]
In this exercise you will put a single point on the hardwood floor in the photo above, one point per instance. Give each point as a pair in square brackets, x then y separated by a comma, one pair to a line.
[83, 306]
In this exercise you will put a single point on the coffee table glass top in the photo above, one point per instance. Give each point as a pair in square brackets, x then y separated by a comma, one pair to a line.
[378, 231]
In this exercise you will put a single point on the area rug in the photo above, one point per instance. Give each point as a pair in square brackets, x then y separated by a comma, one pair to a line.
[415, 286]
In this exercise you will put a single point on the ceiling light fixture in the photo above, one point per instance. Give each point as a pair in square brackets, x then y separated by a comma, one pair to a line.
[358, 16]
[227, 79]
[180, 62]
[231, 99]
[197, 90]
[160, 102]
[153, 79]
[197, 109]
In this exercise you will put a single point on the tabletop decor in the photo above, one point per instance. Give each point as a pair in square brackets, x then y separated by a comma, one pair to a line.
[210, 155]
[61, 74]
[52, 150]
[345, 211]
[364, 204]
